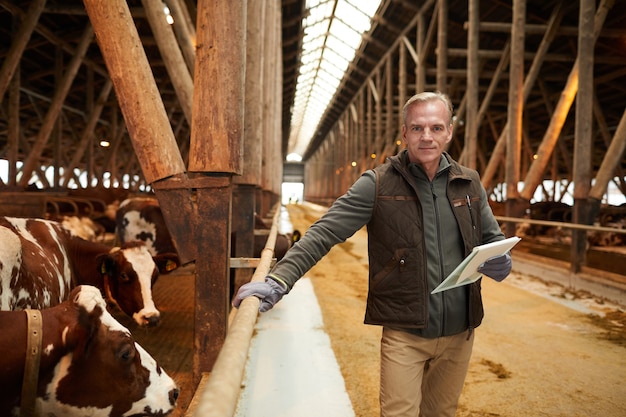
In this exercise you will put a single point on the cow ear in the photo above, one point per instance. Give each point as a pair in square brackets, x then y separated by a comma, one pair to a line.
[105, 264]
[88, 322]
[80, 339]
[167, 262]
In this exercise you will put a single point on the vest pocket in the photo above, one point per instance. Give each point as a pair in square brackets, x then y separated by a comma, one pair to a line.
[398, 262]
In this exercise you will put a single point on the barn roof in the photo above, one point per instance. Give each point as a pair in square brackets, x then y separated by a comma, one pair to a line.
[64, 23]
[396, 22]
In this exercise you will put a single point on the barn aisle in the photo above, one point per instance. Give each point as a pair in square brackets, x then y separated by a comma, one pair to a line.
[542, 350]
[291, 369]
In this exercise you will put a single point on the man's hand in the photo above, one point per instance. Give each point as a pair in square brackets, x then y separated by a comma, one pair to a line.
[269, 292]
[497, 267]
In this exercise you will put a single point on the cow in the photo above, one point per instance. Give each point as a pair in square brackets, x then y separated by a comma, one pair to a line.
[40, 262]
[83, 227]
[89, 364]
[284, 241]
[140, 218]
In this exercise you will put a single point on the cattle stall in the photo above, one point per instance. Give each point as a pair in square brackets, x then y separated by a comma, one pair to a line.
[172, 342]
[103, 99]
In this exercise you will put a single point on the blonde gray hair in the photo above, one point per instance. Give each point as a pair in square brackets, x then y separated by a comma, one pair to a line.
[425, 97]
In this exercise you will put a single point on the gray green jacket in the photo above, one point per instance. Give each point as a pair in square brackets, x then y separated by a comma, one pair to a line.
[430, 232]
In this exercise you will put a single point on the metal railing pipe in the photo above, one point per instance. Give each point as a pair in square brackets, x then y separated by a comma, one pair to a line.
[560, 224]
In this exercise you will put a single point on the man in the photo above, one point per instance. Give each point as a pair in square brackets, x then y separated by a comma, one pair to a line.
[424, 213]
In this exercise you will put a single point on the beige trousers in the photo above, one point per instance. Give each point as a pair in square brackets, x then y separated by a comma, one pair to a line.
[422, 377]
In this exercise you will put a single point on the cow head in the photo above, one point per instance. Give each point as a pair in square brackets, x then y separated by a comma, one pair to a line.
[103, 371]
[129, 273]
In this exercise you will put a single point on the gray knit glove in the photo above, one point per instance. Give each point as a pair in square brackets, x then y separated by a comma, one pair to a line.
[497, 267]
[269, 292]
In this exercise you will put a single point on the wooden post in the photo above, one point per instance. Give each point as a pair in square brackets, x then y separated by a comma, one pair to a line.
[583, 136]
[471, 119]
[216, 147]
[13, 131]
[442, 46]
[269, 98]
[244, 204]
[146, 119]
[515, 111]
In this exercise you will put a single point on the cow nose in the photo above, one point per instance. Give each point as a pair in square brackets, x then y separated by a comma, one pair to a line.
[152, 321]
[174, 396]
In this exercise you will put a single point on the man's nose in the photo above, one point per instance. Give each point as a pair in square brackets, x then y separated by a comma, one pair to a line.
[427, 133]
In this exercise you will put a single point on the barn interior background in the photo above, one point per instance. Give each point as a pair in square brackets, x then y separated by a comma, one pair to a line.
[212, 105]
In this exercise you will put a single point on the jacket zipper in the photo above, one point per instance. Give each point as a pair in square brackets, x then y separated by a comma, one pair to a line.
[470, 330]
[443, 299]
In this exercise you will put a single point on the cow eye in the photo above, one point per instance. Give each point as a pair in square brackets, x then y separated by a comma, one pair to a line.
[124, 277]
[127, 353]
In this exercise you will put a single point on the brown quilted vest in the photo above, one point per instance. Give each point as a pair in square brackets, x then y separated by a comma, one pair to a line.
[398, 290]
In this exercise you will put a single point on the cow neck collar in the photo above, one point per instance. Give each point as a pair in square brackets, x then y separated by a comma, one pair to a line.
[31, 364]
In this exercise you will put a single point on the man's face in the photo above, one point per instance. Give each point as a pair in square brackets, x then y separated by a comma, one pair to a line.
[426, 131]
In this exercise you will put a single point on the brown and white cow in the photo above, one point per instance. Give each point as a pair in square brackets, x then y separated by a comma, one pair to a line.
[140, 218]
[40, 262]
[89, 364]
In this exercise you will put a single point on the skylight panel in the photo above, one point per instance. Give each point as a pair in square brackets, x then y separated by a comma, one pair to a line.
[329, 45]
[337, 60]
[345, 34]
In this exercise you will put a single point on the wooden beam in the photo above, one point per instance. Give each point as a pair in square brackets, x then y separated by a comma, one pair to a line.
[583, 135]
[217, 129]
[88, 131]
[612, 159]
[185, 31]
[216, 149]
[136, 90]
[562, 109]
[55, 108]
[12, 59]
[172, 55]
[529, 83]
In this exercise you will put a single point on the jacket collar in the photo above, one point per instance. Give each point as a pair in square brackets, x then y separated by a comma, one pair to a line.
[401, 162]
